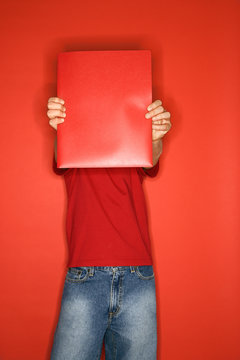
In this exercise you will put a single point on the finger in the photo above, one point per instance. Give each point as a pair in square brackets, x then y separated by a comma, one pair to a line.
[164, 115]
[52, 105]
[164, 127]
[154, 104]
[54, 113]
[54, 126]
[55, 122]
[56, 99]
[163, 121]
[156, 111]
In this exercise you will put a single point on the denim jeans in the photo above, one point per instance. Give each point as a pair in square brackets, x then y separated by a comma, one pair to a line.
[114, 304]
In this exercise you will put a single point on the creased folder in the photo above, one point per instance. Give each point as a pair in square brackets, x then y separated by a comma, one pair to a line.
[106, 95]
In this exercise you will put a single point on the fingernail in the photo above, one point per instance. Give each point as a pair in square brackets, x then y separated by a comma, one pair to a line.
[149, 107]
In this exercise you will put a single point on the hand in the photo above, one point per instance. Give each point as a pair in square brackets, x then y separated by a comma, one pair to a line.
[56, 112]
[160, 121]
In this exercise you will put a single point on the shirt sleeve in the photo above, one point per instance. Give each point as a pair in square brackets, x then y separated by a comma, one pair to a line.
[149, 172]
[58, 171]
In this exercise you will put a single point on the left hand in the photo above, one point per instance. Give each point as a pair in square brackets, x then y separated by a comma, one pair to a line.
[161, 123]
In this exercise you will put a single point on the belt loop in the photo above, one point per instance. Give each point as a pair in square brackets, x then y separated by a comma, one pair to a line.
[91, 270]
[133, 268]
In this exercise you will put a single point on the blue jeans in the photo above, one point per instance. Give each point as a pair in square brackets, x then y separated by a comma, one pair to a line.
[114, 304]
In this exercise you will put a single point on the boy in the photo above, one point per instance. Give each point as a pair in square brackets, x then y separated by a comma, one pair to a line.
[109, 290]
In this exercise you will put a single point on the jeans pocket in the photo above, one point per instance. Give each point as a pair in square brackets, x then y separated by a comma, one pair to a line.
[145, 272]
[77, 274]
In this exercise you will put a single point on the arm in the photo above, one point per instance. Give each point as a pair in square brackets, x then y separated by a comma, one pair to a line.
[160, 126]
[56, 114]
[156, 151]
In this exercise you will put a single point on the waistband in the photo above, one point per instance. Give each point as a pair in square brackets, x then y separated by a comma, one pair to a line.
[112, 268]
[91, 269]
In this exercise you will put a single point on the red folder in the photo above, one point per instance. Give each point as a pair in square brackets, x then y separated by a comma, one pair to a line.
[106, 95]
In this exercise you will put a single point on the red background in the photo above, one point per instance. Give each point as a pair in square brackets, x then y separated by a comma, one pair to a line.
[193, 203]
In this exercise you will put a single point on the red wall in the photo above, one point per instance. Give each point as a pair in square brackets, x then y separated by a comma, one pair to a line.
[193, 203]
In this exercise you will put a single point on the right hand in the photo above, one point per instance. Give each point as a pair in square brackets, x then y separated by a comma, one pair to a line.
[56, 111]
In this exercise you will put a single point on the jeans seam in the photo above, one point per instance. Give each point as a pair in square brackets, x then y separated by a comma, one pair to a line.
[111, 303]
[120, 297]
[114, 347]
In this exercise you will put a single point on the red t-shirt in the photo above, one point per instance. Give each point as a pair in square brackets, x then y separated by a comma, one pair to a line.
[107, 222]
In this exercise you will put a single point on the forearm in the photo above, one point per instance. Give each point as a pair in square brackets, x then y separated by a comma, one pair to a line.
[156, 151]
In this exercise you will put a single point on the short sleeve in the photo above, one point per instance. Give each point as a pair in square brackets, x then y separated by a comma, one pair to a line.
[149, 172]
[58, 171]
